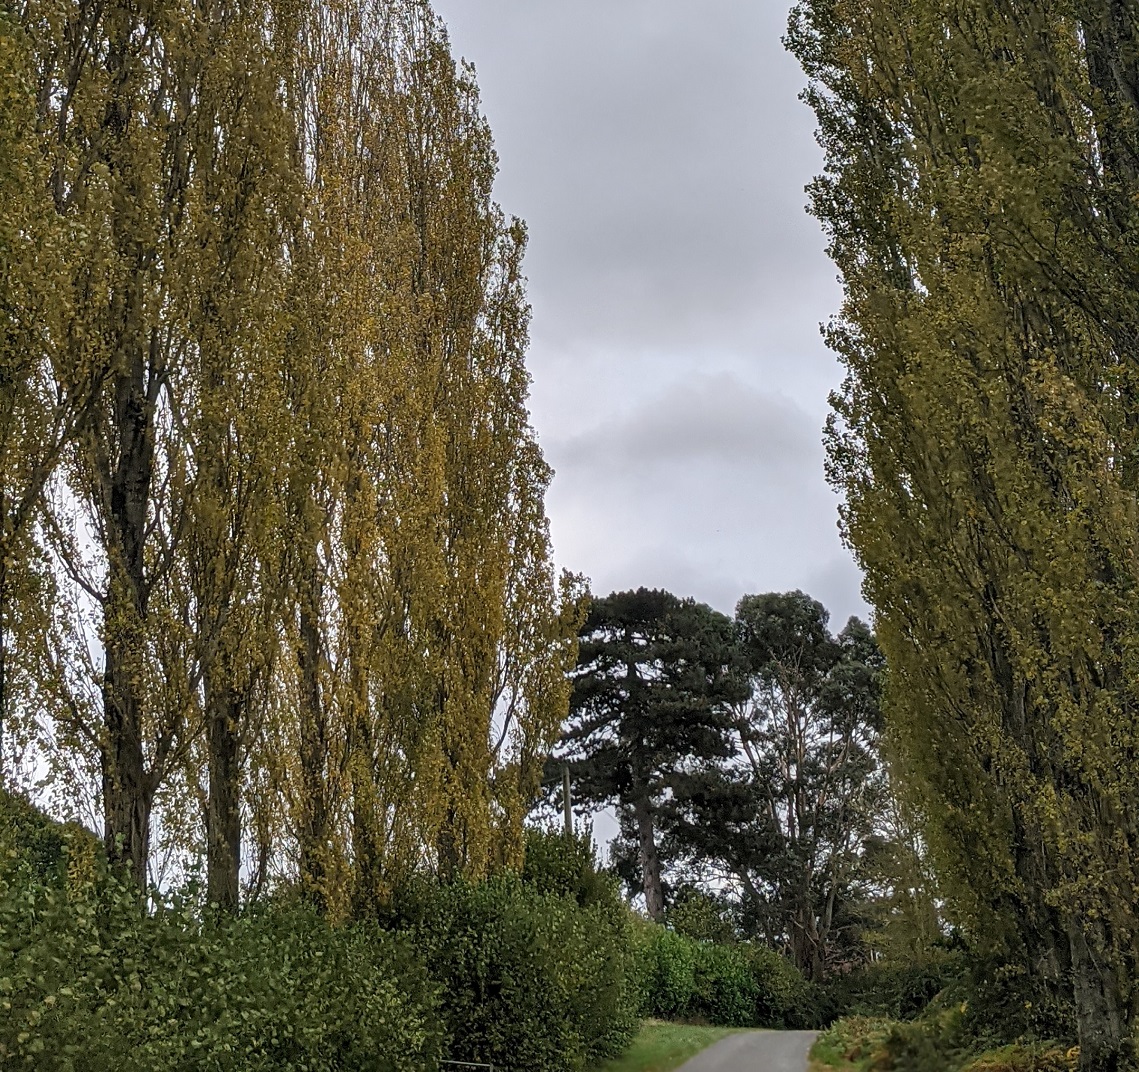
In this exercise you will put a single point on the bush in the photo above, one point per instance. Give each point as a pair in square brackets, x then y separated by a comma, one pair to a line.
[728, 984]
[568, 867]
[695, 913]
[786, 998]
[41, 842]
[727, 988]
[530, 980]
[897, 992]
[90, 981]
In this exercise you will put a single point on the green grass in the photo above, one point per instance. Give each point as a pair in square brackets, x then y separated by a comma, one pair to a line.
[660, 1047]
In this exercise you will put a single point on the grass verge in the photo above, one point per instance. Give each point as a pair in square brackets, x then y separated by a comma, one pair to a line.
[660, 1047]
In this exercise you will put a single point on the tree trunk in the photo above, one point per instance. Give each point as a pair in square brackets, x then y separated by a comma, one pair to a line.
[366, 849]
[224, 711]
[128, 794]
[314, 823]
[128, 788]
[650, 861]
[1101, 1001]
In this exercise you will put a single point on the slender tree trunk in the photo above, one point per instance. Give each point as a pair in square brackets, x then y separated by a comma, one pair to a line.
[128, 794]
[225, 713]
[650, 860]
[124, 467]
[128, 788]
[366, 849]
[315, 813]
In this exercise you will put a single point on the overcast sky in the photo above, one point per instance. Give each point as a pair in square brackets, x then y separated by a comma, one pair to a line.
[658, 152]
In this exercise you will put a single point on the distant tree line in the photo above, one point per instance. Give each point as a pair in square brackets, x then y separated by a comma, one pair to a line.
[742, 756]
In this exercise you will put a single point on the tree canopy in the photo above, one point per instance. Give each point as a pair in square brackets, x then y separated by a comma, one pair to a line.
[275, 573]
[655, 678]
[980, 198]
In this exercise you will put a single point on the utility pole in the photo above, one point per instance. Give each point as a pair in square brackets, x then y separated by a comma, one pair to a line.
[566, 801]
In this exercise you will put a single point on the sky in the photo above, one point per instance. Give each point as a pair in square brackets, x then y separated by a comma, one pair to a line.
[658, 151]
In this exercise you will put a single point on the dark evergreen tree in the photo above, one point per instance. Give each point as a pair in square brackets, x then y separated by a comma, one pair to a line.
[656, 680]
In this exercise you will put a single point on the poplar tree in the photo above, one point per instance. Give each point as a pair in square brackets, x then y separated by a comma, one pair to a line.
[432, 636]
[49, 280]
[980, 198]
[263, 436]
[159, 129]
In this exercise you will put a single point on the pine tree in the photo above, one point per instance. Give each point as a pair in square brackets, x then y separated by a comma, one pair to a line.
[655, 679]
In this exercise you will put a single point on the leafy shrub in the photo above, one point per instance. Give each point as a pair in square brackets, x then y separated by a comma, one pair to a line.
[729, 984]
[695, 913]
[786, 998]
[669, 973]
[90, 981]
[530, 980]
[42, 843]
[897, 992]
[727, 989]
[1003, 1005]
[568, 867]
[1026, 1058]
[850, 1040]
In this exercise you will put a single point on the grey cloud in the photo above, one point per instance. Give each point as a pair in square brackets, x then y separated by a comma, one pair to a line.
[707, 421]
[659, 154]
[710, 487]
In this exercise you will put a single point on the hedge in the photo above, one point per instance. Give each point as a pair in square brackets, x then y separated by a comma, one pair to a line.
[90, 982]
[537, 972]
[728, 984]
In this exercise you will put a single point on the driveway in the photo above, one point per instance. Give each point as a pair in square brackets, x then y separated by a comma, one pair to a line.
[755, 1051]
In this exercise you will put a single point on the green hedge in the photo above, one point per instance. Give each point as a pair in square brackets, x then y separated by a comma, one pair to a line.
[548, 971]
[530, 980]
[728, 984]
[89, 982]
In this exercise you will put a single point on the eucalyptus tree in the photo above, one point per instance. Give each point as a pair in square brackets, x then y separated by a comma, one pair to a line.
[782, 823]
[980, 196]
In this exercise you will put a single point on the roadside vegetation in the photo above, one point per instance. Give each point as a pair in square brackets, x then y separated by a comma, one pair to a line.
[279, 614]
[660, 1047]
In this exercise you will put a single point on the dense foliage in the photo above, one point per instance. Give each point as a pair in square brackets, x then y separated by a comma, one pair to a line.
[90, 981]
[534, 974]
[275, 577]
[980, 195]
[730, 984]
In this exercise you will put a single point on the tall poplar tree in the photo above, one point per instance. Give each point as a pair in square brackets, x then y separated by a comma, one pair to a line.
[980, 197]
[49, 283]
[432, 636]
[160, 126]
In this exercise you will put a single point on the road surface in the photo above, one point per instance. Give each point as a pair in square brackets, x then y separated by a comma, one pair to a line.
[755, 1051]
